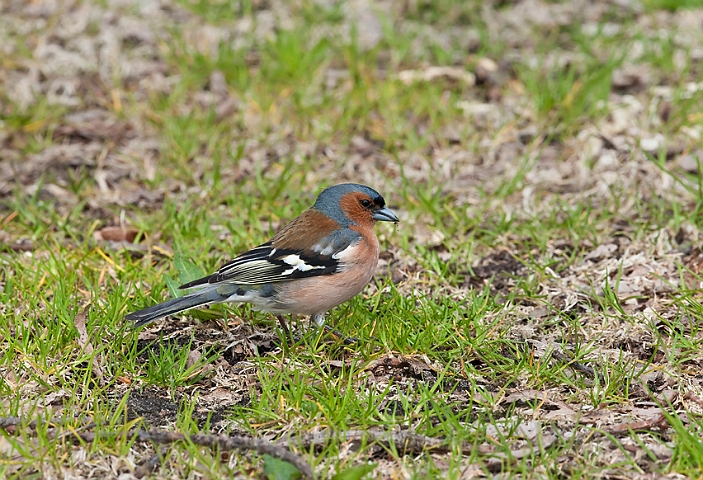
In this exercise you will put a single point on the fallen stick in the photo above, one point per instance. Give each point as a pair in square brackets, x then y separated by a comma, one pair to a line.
[658, 422]
[410, 442]
[163, 437]
[413, 443]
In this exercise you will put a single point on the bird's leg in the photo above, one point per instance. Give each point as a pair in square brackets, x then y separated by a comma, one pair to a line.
[284, 327]
[317, 320]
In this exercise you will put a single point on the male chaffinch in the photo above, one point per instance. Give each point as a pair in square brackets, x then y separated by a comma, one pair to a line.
[320, 260]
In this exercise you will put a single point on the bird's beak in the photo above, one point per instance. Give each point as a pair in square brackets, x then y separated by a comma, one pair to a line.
[385, 215]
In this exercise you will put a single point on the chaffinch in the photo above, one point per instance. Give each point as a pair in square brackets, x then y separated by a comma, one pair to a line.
[321, 259]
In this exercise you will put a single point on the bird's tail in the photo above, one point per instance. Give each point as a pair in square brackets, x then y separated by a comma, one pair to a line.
[173, 306]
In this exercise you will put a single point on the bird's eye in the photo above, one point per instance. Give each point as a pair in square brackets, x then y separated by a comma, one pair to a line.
[365, 203]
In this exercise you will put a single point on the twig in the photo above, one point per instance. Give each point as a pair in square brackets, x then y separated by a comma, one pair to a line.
[336, 333]
[580, 367]
[549, 349]
[413, 443]
[225, 443]
[658, 422]
[9, 422]
[409, 441]
[213, 441]
[22, 246]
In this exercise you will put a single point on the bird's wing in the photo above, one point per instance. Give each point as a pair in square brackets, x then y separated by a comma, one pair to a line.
[297, 251]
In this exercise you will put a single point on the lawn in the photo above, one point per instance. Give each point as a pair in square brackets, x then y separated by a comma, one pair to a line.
[535, 314]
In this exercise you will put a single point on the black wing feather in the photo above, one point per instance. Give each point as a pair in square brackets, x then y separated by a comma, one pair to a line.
[266, 264]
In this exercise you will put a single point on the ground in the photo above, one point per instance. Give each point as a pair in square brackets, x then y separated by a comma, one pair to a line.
[535, 313]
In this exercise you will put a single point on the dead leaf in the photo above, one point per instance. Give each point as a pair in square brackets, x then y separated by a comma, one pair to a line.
[9, 450]
[86, 346]
[601, 251]
[690, 162]
[563, 412]
[400, 363]
[94, 124]
[485, 67]
[527, 430]
[116, 234]
[83, 338]
[433, 74]
[193, 358]
[428, 236]
[632, 77]
[218, 84]
[53, 192]
[498, 459]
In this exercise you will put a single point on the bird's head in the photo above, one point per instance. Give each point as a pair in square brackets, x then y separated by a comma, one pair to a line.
[351, 203]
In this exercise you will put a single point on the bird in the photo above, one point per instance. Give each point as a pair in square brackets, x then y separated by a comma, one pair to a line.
[321, 259]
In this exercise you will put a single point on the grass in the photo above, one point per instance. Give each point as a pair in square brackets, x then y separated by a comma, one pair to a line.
[494, 265]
